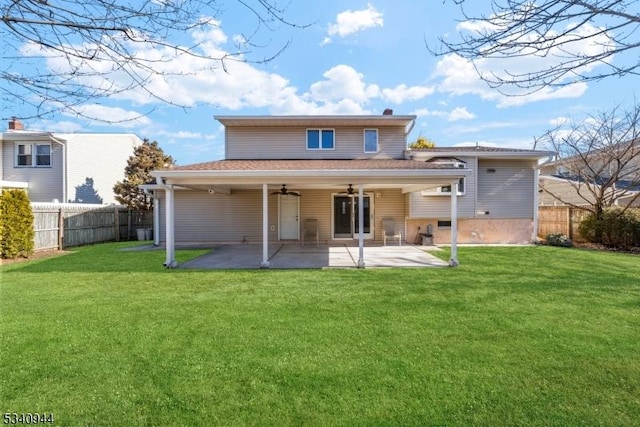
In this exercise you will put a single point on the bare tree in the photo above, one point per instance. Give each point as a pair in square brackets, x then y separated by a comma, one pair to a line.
[570, 37]
[59, 54]
[599, 158]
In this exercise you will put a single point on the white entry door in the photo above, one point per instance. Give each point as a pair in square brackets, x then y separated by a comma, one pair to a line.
[289, 217]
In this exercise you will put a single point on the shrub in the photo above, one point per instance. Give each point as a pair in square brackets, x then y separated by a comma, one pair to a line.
[616, 228]
[16, 224]
[559, 240]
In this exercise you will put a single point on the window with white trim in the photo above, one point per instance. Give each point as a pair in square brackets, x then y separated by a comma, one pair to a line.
[445, 190]
[371, 140]
[33, 155]
[320, 139]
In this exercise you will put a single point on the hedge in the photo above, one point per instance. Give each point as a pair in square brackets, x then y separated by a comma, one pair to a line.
[16, 224]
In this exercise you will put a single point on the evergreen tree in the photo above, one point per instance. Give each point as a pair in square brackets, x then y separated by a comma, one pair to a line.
[16, 224]
[146, 158]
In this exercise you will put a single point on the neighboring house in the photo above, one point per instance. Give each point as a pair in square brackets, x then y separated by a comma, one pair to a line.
[347, 173]
[563, 185]
[74, 168]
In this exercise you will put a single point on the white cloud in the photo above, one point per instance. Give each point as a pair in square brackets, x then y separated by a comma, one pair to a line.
[459, 113]
[460, 76]
[352, 21]
[402, 93]
[190, 80]
[343, 81]
[104, 115]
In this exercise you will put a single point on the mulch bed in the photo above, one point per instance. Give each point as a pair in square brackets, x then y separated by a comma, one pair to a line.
[36, 255]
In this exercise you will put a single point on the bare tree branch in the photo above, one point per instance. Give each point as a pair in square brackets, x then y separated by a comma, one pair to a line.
[576, 41]
[599, 158]
[59, 54]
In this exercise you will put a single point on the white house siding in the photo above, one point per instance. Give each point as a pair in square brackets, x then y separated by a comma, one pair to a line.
[95, 162]
[290, 143]
[204, 218]
[45, 183]
[507, 192]
[440, 206]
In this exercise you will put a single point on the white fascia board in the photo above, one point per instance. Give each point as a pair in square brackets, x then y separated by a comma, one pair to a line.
[422, 155]
[393, 177]
[13, 184]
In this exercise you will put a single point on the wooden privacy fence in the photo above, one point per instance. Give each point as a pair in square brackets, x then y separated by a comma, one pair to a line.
[560, 220]
[59, 226]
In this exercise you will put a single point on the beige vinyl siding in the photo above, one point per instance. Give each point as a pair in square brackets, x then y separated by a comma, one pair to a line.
[45, 183]
[291, 143]
[440, 206]
[507, 192]
[95, 162]
[204, 218]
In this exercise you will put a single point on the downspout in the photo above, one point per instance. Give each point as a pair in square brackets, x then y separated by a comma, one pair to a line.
[64, 167]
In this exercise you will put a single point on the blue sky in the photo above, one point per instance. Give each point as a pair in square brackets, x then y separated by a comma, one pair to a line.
[355, 57]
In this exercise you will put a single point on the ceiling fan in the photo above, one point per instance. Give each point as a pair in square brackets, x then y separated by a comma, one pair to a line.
[350, 191]
[284, 192]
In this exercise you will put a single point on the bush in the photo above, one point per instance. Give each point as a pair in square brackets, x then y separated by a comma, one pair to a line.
[559, 240]
[16, 224]
[615, 228]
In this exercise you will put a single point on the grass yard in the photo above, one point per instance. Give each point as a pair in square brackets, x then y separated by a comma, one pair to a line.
[514, 336]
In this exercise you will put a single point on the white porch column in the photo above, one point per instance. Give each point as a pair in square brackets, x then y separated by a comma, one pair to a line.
[265, 226]
[536, 177]
[453, 262]
[170, 261]
[360, 226]
[156, 220]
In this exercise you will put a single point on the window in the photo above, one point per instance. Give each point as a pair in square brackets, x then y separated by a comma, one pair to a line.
[320, 139]
[371, 140]
[445, 190]
[33, 155]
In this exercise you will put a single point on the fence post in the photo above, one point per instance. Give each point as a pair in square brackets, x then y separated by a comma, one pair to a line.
[129, 225]
[60, 229]
[570, 221]
[116, 222]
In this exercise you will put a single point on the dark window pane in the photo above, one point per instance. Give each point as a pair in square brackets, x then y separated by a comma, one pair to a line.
[313, 139]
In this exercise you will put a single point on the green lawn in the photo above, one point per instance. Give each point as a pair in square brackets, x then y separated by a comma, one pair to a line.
[514, 336]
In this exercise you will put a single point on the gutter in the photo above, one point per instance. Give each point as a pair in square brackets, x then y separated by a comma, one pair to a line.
[64, 166]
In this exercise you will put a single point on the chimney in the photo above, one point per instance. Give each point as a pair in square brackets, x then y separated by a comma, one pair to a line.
[387, 112]
[15, 124]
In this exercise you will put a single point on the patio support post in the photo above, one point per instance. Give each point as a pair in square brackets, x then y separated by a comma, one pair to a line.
[156, 220]
[453, 262]
[265, 226]
[360, 226]
[170, 261]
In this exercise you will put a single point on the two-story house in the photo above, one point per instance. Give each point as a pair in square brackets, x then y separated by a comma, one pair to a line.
[69, 168]
[348, 174]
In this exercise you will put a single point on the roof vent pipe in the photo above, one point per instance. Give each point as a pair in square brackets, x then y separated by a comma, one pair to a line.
[387, 112]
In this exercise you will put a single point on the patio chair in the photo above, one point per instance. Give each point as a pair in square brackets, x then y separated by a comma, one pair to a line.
[310, 231]
[389, 231]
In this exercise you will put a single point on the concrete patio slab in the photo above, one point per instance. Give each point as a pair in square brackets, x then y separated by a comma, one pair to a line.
[291, 255]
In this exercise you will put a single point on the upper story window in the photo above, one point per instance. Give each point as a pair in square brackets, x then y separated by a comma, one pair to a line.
[33, 155]
[320, 139]
[371, 140]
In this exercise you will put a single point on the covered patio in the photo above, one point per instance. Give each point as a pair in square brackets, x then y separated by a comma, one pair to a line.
[229, 178]
[294, 256]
